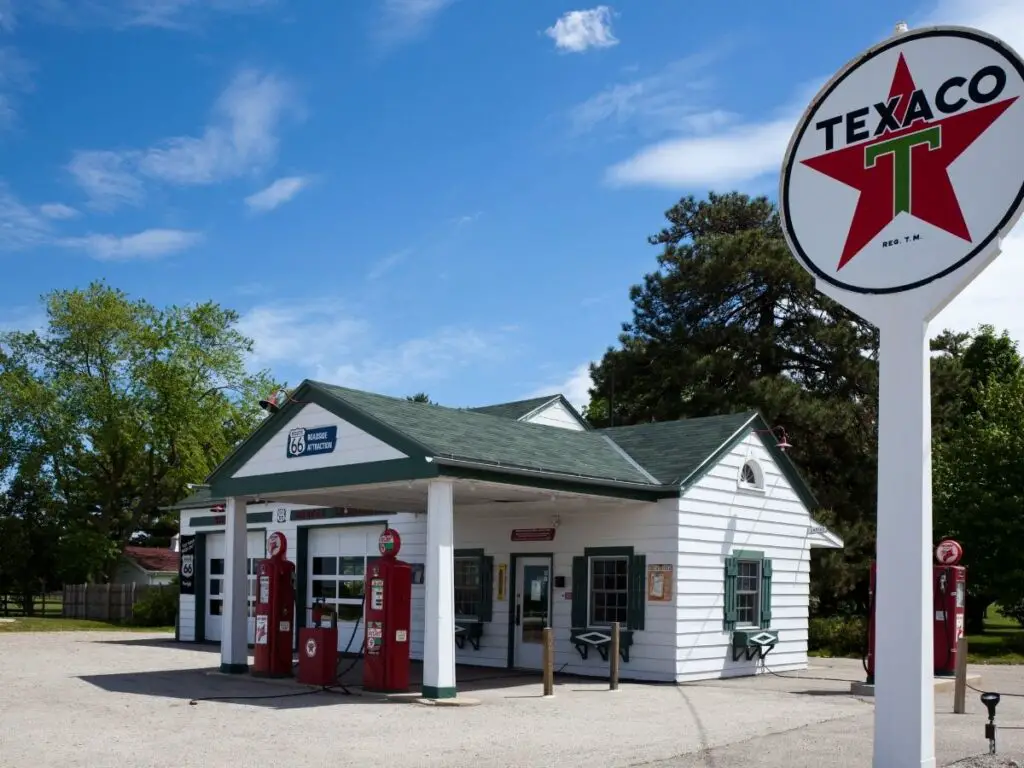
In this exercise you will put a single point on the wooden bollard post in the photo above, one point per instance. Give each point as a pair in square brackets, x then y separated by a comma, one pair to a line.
[960, 685]
[613, 659]
[549, 661]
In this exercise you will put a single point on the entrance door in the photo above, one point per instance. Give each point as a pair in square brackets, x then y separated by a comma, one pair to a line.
[532, 610]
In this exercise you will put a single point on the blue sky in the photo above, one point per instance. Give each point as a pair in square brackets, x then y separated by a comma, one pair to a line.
[401, 195]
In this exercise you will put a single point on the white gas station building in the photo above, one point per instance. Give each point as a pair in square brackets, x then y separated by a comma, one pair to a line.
[694, 535]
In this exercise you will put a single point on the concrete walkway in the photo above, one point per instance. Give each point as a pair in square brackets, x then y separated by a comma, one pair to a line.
[119, 700]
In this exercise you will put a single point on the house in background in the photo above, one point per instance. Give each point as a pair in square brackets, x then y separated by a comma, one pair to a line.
[148, 565]
[694, 536]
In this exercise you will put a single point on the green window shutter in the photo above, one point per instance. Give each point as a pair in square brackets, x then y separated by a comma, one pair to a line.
[732, 572]
[301, 576]
[766, 594]
[580, 590]
[486, 587]
[637, 603]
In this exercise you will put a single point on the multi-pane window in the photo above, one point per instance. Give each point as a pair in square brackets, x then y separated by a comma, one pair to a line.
[339, 583]
[748, 593]
[467, 586]
[609, 590]
[216, 587]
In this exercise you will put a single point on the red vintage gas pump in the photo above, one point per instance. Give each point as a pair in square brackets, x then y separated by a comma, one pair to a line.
[950, 591]
[275, 606]
[949, 594]
[388, 612]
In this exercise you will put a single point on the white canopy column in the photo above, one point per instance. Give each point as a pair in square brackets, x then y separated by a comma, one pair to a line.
[234, 649]
[439, 578]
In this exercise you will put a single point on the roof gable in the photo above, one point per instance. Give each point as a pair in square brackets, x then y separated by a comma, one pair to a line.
[674, 450]
[495, 440]
[153, 559]
[524, 410]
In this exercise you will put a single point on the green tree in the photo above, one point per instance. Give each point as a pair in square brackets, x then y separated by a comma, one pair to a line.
[420, 397]
[125, 403]
[977, 486]
[730, 321]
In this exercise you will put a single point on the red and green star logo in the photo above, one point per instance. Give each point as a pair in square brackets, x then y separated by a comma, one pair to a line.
[906, 170]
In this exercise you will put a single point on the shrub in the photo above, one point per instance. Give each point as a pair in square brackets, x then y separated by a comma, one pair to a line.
[843, 636]
[158, 607]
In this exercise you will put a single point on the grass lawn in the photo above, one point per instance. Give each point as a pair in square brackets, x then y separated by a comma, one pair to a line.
[56, 624]
[1002, 643]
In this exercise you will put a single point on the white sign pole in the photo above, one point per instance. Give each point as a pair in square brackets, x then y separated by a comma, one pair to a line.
[898, 186]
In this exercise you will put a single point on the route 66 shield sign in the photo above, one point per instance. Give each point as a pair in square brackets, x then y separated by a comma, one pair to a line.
[296, 442]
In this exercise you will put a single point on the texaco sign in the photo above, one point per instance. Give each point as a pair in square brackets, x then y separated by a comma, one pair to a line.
[898, 173]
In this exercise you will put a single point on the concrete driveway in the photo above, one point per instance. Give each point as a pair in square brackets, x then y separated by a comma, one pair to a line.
[122, 700]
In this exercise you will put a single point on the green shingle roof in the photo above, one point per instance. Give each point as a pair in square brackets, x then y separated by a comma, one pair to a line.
[673, 450]
[202, 497]
[482, 437]
[516, 409]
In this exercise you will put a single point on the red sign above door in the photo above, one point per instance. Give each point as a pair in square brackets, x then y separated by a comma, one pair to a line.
[533, 534]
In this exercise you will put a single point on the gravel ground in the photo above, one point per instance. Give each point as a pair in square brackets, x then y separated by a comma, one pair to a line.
[106, 699]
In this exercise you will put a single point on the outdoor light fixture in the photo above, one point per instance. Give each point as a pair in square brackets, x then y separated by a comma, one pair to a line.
[781, 439]
[275, 401]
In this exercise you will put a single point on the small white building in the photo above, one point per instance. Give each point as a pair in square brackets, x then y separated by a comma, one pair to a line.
[147, 565]
[694, 535]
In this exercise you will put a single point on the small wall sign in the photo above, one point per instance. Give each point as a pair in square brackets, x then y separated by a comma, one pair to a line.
[502, 572]
[187, 565]
[533, 534]
[659, 583]
[311, 441]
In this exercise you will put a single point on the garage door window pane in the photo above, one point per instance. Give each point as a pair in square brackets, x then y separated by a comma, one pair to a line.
[217, 566]
[350, 612]
[352, 566]
[215, 607]
[327, 590]
[215, 585]
[350, 589]
[325, 566]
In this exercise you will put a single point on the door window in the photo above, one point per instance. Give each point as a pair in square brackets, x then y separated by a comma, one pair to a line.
[535, 603]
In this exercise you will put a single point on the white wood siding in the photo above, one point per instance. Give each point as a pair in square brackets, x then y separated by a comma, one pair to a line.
[651, 529]
[353, 447]
[716, 518]
[556, 415]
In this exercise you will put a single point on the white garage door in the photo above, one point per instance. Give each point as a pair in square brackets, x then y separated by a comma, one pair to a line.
[216, 586]
[337, 568]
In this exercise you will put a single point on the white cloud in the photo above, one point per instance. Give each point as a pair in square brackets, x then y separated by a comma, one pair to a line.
[739, 154]
[20, 226]
[575, 388]
[241, 138]
[164, 14]
[667, 100]
[58, 211]
[576, 31]
[149, 244]
[107, 178]
[388, 263]
[278, 193]
[403, 20]
[993, 297]
[318, 341]
[1003, 18]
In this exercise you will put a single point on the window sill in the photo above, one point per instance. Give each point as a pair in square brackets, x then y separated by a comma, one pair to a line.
[468, 628]
[750, 488]
[585, 638]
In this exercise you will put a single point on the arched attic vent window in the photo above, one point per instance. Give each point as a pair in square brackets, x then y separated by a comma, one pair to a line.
[751, 476]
